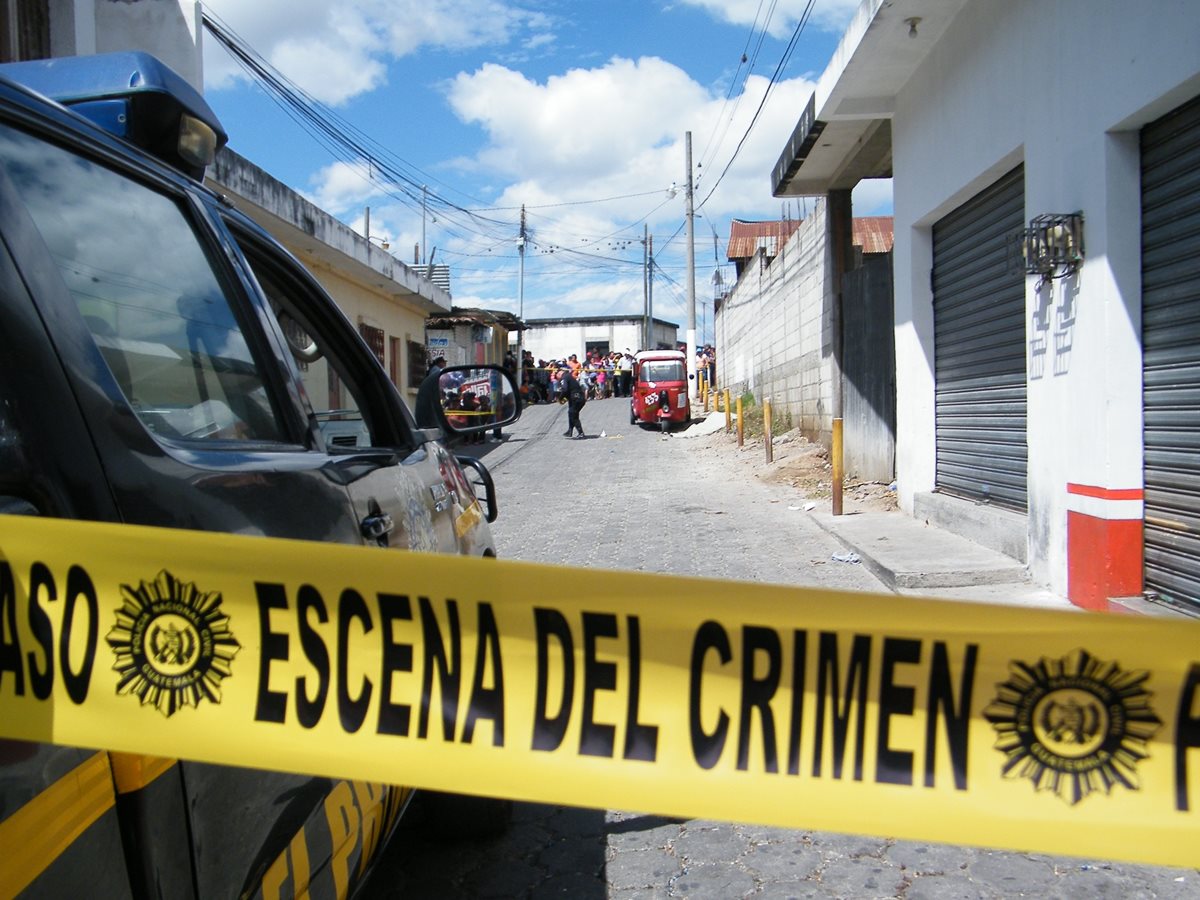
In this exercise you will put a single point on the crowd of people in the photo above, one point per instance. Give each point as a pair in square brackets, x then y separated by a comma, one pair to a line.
[599, 375]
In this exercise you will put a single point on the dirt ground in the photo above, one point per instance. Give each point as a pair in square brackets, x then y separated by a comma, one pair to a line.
[800, 469]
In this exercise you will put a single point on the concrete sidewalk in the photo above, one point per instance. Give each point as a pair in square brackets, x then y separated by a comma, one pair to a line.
[914, 558]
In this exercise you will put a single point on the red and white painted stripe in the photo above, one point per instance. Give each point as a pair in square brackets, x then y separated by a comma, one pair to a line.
[1104, 544]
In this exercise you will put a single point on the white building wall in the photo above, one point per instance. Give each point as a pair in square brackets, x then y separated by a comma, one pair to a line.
[169, 29]
[772, 331]
[559, 340]
[1062, 87]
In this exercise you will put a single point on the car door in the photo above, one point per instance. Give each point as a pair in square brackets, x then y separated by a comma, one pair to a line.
[47, 468]
[407, 489]
[184, 398]
[171, 403]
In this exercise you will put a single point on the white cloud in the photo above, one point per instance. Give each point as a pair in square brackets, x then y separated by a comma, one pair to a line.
[341, 186]
[337, 49]
[620, 129]
[559, 144]
[830, 15]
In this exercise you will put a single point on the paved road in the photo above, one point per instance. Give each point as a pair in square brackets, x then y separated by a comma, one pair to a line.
[635, 500]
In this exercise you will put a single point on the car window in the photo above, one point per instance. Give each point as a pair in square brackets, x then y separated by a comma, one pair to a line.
[147, 291]
[329, 381]
[662, 370]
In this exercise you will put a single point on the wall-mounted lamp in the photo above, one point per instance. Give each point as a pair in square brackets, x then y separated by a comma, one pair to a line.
[912, 24]
[383, 242]
[1052, 245]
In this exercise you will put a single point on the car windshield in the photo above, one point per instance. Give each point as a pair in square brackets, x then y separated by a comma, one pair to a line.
[662, 370]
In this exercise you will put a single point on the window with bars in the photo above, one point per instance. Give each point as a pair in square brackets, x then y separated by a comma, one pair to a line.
[374, 338]
[417, 364]
[394, 360]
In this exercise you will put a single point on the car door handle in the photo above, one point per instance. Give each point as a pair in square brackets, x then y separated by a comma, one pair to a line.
[377, 526]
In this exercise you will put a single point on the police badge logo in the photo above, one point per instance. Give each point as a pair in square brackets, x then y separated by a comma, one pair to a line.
[172, 644]
[1073, 725]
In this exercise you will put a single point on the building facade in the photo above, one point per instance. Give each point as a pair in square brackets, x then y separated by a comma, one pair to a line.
[558, 338]
[471, 336]
[386, 301]
[776, 334]
[1047, 299]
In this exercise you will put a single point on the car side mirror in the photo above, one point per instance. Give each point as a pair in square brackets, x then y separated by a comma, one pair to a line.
[471, 399]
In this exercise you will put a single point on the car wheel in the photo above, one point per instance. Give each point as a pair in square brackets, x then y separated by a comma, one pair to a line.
[632, 417]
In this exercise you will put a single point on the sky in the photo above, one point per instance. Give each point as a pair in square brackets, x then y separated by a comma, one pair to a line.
[576, 109]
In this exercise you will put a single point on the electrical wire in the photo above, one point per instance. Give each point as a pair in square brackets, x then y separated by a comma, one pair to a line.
[784, 60]
[408, 184]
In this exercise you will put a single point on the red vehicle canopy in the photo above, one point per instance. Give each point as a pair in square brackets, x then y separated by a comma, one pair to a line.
[660, 388]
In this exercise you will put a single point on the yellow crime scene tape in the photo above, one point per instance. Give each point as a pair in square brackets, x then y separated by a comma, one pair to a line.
[1057, 732]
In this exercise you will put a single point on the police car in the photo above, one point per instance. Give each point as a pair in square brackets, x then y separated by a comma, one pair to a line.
[164, 362]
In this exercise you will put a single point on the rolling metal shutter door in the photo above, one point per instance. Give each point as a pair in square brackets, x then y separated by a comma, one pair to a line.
[1171, 351]
[979, 347]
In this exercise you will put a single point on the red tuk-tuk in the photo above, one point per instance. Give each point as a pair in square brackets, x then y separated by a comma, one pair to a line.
[660, 389]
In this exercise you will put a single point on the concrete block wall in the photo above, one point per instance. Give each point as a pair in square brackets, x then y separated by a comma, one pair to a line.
[772, 331]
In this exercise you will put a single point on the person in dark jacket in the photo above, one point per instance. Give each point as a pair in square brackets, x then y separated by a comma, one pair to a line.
[575, 399]
[429, 395]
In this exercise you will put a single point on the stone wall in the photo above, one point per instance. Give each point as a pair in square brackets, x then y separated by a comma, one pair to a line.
[773, 331]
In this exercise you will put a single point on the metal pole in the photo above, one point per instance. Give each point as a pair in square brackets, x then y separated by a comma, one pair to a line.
[645, 287]
[651, 344]
[767, 430]
[691, 275]
[424, 194]
[838, 468]
[521, 300]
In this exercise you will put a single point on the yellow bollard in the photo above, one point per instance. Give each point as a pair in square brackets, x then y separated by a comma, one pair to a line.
[740, 428]
[725, 398]
[836, 454]
[767, 430]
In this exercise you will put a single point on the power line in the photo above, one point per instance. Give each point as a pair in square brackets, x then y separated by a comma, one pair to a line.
[787, 55]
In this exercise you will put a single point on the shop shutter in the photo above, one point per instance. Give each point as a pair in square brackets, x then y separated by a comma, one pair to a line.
[979, 347]
[1171, 352]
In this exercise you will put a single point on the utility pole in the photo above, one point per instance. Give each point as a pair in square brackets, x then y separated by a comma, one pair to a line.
[645, 286]
[650, 342]
[691, 278]
[424, 200]
[521, 300]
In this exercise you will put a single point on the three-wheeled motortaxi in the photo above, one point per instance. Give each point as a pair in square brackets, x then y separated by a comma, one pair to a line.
[660, 389]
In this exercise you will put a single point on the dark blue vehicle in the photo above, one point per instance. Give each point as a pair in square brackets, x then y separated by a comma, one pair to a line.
[155, 347]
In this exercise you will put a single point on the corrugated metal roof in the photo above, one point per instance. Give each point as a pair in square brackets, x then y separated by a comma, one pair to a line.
[460, 315]
[874, 233]
[746, 237]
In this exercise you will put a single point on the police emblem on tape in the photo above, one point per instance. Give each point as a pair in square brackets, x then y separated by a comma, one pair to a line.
[172, 644]
[1074, 725]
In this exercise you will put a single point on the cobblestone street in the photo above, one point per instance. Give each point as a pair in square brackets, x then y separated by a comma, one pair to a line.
[629, 498]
